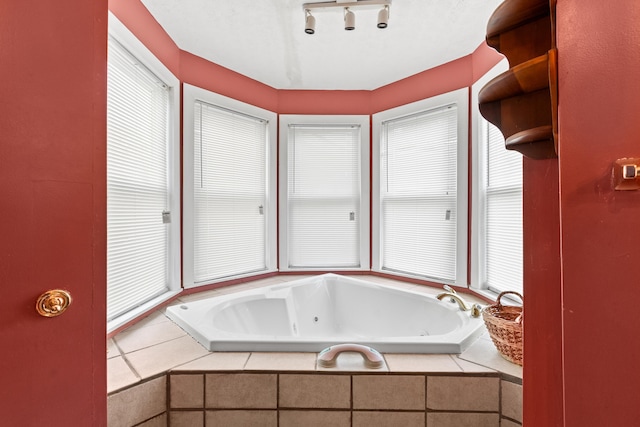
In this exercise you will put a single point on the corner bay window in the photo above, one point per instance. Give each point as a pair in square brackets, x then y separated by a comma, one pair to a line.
[142, 218]
[420, 195]
[229, 199]
[324, 213]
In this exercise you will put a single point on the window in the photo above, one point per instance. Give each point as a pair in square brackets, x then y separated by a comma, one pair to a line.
[143, 216]
[497, 257]
[229, 215]
[502, 215]
[324, 176]
[420, 194]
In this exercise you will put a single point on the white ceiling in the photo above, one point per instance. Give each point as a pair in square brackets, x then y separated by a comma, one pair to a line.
[265, 39]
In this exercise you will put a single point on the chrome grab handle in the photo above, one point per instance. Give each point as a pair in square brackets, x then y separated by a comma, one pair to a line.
[327, 358]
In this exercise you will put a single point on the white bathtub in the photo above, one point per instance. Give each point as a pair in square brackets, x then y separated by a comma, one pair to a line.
[311, 314]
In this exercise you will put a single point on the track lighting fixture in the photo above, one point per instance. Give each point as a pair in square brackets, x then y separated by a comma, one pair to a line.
[310, 23]
[383, 17]
[349, 20]
[349, 15]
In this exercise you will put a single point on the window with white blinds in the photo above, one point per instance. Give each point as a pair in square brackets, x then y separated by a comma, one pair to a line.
[502, 191]
[324, 196]
[420, 203]
[229, 193]
[138, 193]
[418, 193]
[324, 219]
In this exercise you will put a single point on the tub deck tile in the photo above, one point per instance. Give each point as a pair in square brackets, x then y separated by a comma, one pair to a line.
[422, 363]
[281, 362]
[119, 374]
[218, 361]
[163, 357]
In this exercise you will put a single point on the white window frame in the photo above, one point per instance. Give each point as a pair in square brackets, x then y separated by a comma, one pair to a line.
[478, 159]
[364, 123]
[122, 35]
[191, 95]
[459, 97]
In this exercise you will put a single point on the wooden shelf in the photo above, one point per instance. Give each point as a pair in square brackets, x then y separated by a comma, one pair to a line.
[536, 143]
[513, 14]
[522, 102]
[524, 78]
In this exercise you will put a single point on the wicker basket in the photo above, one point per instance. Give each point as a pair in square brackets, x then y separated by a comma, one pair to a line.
[504, 323]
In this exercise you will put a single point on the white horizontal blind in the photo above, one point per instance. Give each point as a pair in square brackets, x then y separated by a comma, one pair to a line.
[324, 196]
[503, 215]
[230, 176]
[418, 156]
[137, 183]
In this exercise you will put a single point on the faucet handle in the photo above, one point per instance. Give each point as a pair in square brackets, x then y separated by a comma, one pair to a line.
[476, 310]
[449, 289]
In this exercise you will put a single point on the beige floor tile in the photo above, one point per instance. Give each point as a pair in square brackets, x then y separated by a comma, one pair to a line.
[241, 391]
[447, 419]
[137, 404]
[512, 400]
[421, 363]
[119, 374]
[162, 357]
[465, 393]
[147, 336]
[186, 391]
[315, 418]
[217, 361]
[508, 423]
[404, 392]
[314, 391]
[242, 418]
[483, 352]
[387, 419]
[281, 362]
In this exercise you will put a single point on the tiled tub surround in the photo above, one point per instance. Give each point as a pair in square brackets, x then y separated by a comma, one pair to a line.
[159, 376]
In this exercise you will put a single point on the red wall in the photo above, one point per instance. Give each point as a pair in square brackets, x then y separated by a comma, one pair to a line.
[599, 101]
[53, 207]
[542, 371]
[199, 72]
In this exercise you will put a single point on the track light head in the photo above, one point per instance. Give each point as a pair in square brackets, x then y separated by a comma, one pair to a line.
[349, 19]
[309, 23]
[383, 17]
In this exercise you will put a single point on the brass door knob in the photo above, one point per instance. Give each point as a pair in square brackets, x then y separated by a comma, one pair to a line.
[53, 303]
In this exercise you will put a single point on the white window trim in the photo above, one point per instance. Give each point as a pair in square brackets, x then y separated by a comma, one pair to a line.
[122, 35]
[364, 123]
[461, 98]
[478, 162]
[191, 95]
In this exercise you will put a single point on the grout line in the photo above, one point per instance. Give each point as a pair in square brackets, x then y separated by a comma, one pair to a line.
[126, 361]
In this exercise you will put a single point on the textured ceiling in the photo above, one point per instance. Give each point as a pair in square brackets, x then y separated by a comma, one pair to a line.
[265, 39]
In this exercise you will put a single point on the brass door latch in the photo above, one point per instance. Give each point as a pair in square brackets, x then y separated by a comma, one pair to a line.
[53, 303]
